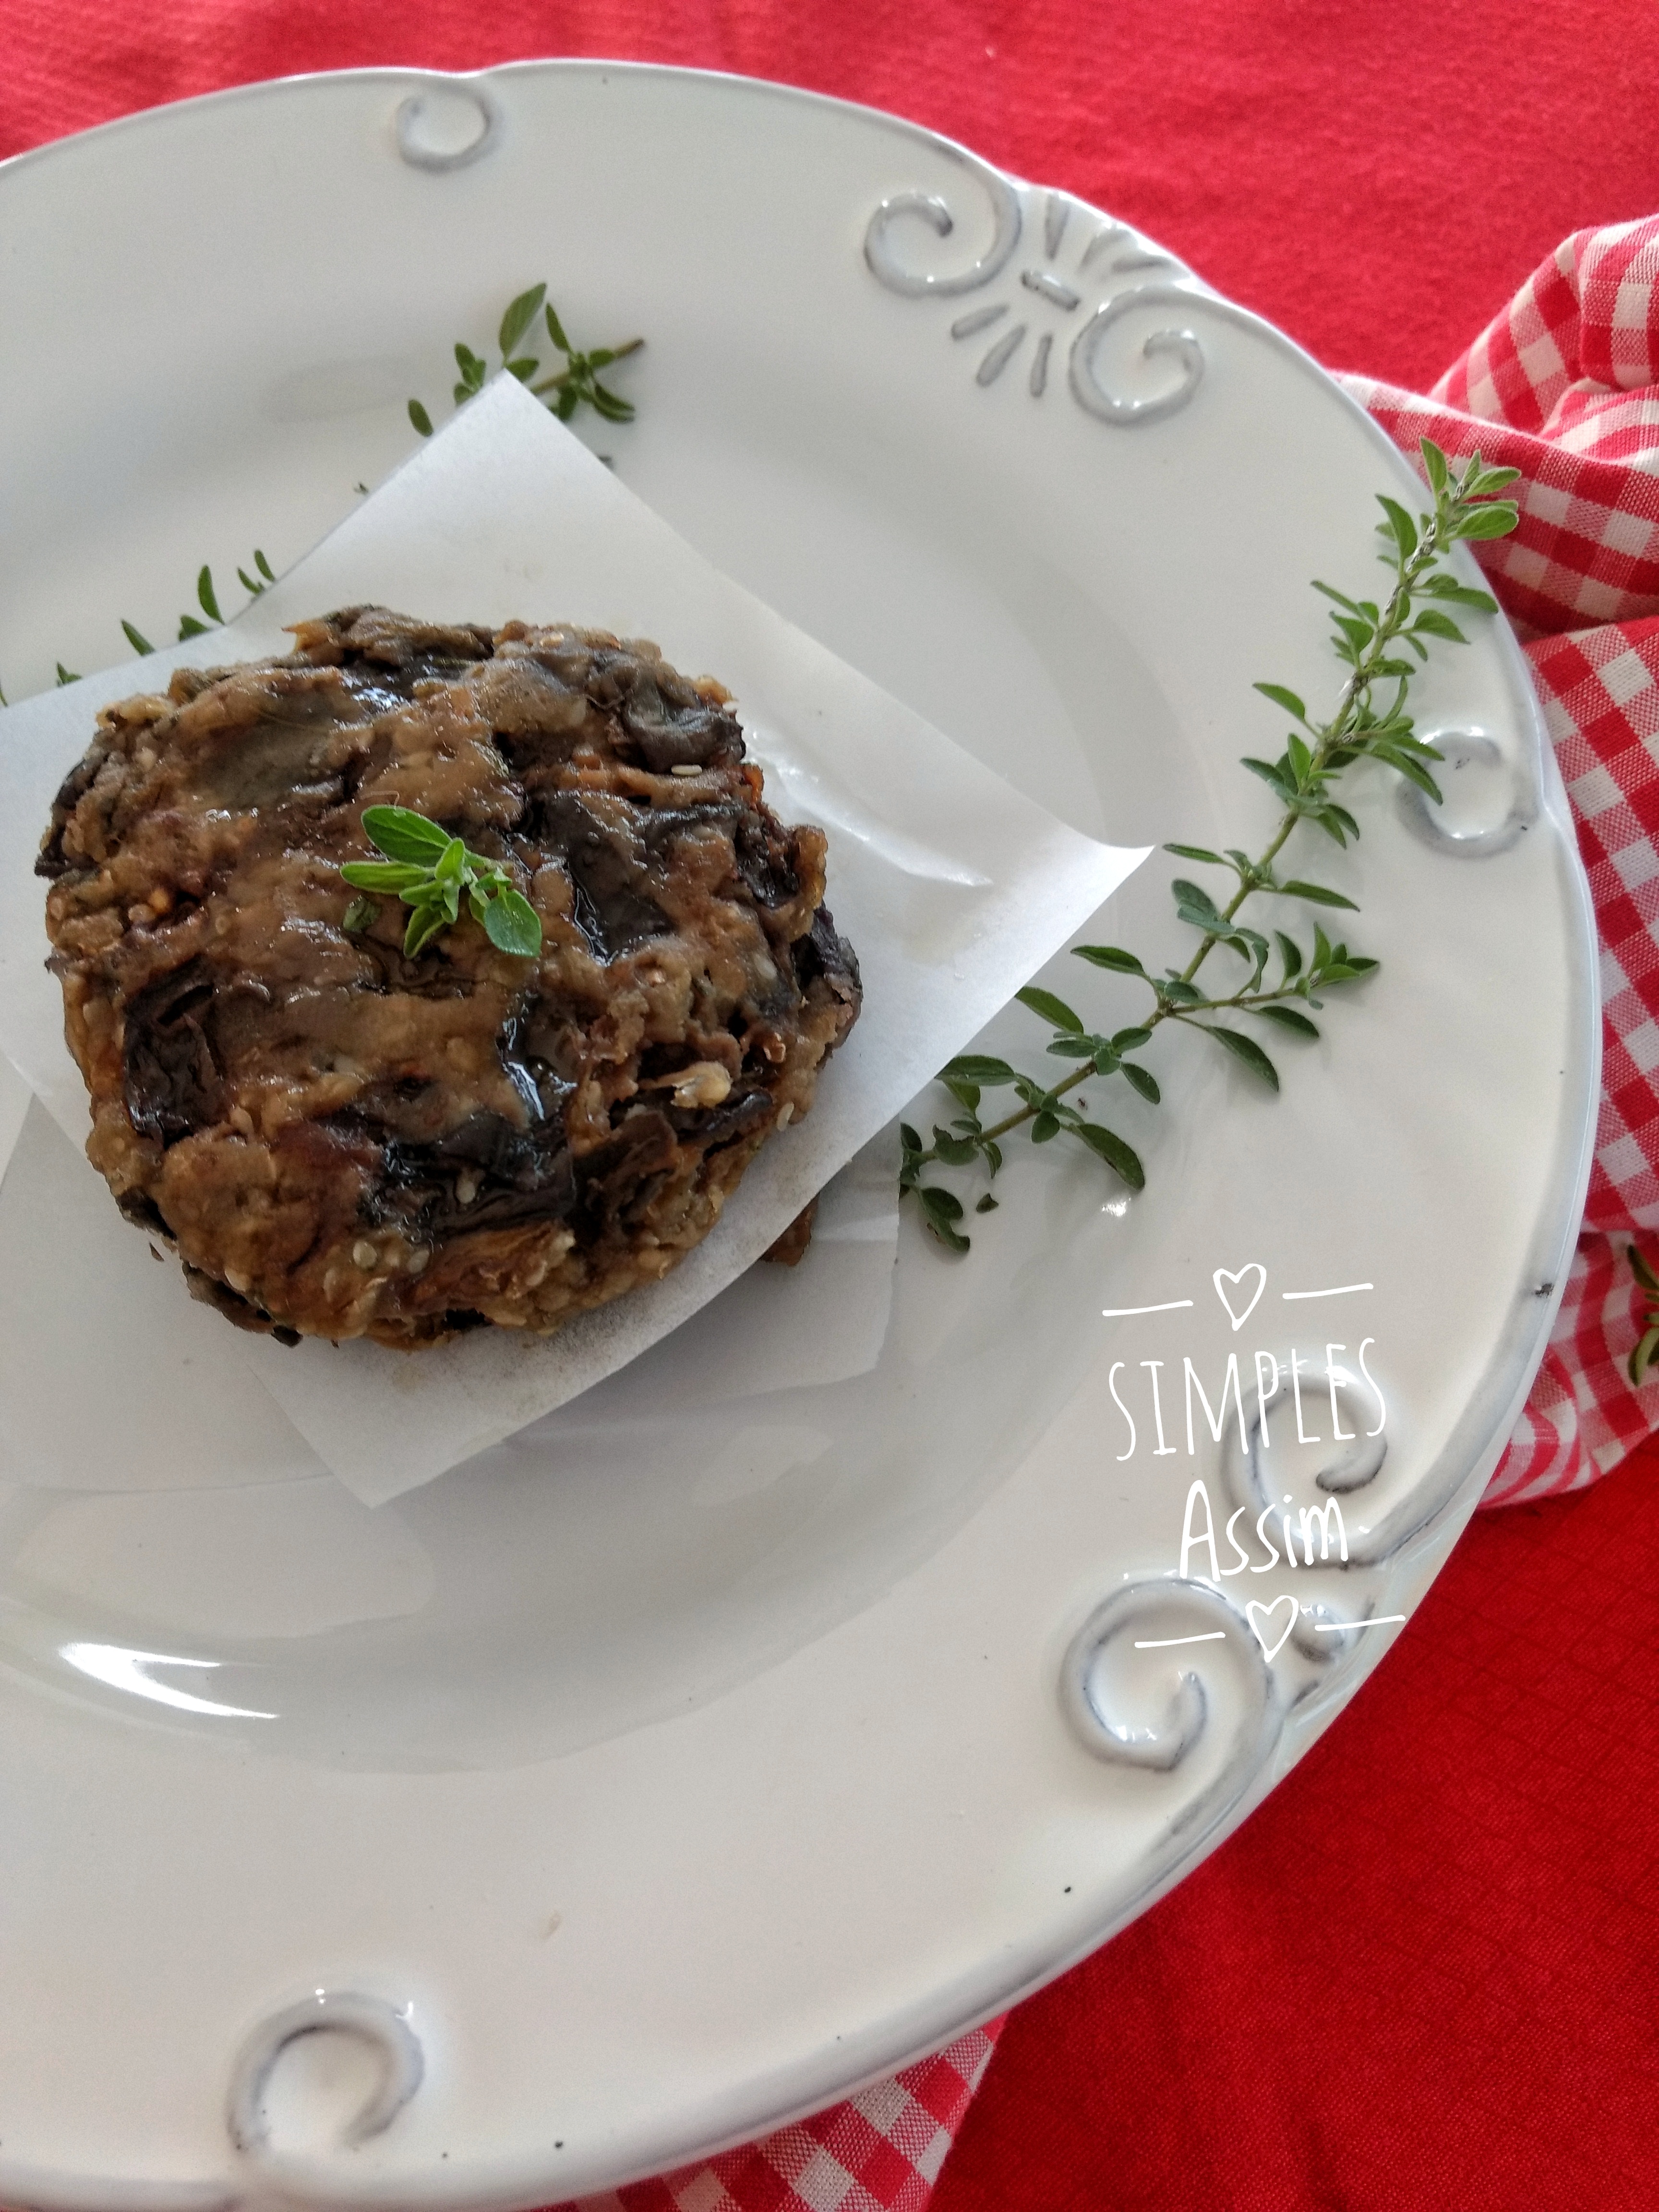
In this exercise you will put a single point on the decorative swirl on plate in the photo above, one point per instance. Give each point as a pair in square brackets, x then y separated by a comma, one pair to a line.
[1163, 1748]
[1179, 345]
[1348, 1464]
[1465, 748]
[1277, 1481]
[928, 208]
[1104, 251]
[1164, 1607]
[447, 124]
[1321, 1633]
[346, 2012]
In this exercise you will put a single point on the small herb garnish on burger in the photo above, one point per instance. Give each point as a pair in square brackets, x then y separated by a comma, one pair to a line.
[431, 872]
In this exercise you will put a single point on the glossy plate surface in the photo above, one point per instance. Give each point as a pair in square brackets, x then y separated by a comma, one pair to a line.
[616, 1801]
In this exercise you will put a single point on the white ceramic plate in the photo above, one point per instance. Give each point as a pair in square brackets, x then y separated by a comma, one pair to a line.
[624, 1806]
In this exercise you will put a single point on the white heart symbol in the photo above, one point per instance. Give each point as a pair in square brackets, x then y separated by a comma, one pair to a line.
[1226, 1276]
[1267, 1612]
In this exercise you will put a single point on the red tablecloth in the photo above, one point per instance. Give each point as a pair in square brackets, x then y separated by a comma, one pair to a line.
[1423, 1974]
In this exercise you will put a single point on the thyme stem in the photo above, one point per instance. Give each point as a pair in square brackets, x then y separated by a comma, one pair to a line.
[1373, 643]
[1431, 546]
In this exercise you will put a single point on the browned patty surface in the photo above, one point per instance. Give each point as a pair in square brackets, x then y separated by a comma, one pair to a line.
[343, 1142]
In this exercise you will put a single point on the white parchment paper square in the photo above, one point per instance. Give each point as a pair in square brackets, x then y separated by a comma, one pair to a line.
[73, 1275]
[952, 888]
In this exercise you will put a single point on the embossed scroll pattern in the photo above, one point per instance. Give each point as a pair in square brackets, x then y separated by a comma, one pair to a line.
[1097, 1665]
[1072, 292]
[367, 2020]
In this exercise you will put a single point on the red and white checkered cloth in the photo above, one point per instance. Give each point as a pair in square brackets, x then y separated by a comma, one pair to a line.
[879, 2152]
[1563, 386]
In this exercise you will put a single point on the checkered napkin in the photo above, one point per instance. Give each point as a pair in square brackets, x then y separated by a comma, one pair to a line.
[1563, 386]
[879, 2152]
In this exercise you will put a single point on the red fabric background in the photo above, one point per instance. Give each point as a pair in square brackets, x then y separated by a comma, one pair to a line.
[1425, 1974]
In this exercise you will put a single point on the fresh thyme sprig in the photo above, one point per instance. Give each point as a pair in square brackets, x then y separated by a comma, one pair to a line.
[1648, 1344]
[1381, 646]
[577, 385]
[574, 386]
[431, 872]
[207, 598]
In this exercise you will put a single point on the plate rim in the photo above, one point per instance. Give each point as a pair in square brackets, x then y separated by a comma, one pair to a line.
[1516, 1360]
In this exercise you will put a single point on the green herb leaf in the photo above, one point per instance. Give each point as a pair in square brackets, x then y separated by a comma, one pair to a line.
[359, 916]
[1317, 892]
[1109, 956]
[982, 1068]
[1288, 1018]
[1244, 1049]
[1143, 1079]
[1410, 769]
[1115, 1153]
[136, 639]
[1194, 853]
[1494, 521]
[520, 314]
[942, 1210]
[391, 876]
[424, 923]
[1404, 529]
[1198, 902]
[420, 418]
[403, 835]
[1442, 586]
[1272, 774]
[1431, 623]
[1282, 697]
[512, 924]
[1051, 1008]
